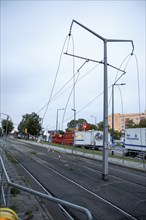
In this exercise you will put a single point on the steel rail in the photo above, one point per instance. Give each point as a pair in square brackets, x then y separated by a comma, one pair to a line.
[42, 195]
[87, 190]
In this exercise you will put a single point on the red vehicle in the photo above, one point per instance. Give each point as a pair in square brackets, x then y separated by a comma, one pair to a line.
[57, 138]
[67, 138]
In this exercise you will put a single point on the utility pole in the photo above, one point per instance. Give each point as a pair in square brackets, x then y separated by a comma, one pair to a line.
[74, 110]
[57, 118]
[105, 107]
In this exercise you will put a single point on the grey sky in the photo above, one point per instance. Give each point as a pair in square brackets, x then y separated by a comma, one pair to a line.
[32, 37]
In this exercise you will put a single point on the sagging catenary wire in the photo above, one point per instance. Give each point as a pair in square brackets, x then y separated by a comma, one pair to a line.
[55, 77]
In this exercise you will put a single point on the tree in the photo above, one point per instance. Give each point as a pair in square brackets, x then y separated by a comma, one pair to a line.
[100, 126]
[31, 124]
[76, 123]
[92, 127]
[130, 123]
[7, 126]
[117, 135]
[1, 132]
[142, 123]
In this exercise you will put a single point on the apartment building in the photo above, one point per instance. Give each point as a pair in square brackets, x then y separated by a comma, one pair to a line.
[120, 120]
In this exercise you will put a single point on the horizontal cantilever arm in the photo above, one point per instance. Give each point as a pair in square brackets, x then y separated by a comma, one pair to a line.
[94, 33]
[100, 62]
[116, 40]
[99, 36]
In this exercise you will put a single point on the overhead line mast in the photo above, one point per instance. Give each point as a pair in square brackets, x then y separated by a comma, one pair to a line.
[105, 105]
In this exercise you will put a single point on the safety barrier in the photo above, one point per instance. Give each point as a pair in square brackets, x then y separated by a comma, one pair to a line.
[5, 199]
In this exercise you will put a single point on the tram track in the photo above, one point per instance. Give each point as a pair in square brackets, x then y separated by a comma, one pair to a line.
[97, 164]
[67, 214]
[125, 213]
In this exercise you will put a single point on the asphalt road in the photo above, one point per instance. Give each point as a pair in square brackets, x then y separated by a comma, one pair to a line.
[78, 180]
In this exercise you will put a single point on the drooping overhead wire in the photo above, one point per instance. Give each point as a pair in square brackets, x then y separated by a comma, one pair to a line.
[78, 71]
[75, 80]
[74, 83]
[47, 105]
[138, 84]
[58, 94]
[116, 79]
[73, 77]
[71, 87]
[127, 58]
[138, 87]
[89, 103]
[55, 96]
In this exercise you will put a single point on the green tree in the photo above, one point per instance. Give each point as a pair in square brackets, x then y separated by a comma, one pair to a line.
[60, 131]
[130, 123]
[100, 126]
[31, 124]
[142, 123]
[76, 123]
[7, 126]
[92, 127]
[1, 132]
[117, 135]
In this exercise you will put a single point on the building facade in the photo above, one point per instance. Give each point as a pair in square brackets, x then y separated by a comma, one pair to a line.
[121, 119]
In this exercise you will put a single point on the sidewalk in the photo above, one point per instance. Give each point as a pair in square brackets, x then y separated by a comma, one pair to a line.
[26, 205]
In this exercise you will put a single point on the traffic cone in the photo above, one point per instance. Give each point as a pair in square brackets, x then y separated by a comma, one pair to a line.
[59, 156]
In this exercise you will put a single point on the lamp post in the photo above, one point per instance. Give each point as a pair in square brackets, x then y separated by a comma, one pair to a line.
[57, 118]
[74, 117]
[115, 84]
[94, 118]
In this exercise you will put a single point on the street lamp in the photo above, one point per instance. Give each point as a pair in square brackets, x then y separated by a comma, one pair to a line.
[74, 118]
[57, 118]
[115, 84]
[94, 118]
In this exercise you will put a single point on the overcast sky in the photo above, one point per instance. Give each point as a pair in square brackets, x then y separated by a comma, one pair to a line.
[32, 37]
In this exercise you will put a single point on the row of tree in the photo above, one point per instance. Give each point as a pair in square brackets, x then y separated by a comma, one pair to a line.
[31, 124]
[7, 127]
[83, 125]
[130, 124]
